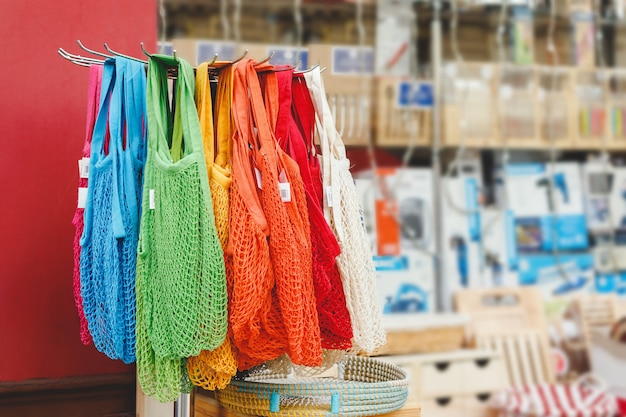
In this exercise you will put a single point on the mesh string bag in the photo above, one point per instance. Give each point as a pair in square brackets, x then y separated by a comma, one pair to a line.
[181, 282]
[131, 157]
[214, 368]
[254, 315]
[344, 214]
[93, 99]
[287, 219]
[100, 263]
[333, 315]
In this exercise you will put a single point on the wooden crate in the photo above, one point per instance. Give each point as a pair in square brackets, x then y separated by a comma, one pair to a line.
[469, 104]
[511, 321]
[517, 109]
[350, 94]
[557, 112]
[396, 125]
[590, 98]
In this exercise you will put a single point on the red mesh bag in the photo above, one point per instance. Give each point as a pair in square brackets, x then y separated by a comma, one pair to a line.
[93, 100]
[333, 315]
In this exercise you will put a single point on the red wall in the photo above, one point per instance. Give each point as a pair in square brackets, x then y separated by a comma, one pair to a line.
[42, 124]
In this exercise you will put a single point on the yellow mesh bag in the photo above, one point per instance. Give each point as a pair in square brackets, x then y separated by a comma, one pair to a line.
[213, 369]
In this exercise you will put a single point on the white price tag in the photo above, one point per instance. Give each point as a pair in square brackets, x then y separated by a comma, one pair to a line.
[152, 200]
[83, 167]
[329, 196]
[285, 191]
[257, 174]
[82, 197]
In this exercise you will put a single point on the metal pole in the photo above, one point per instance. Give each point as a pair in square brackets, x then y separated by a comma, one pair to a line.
[183, 405]
[435, 53]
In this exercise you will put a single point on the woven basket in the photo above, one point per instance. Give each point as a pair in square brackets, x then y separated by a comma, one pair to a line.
[362, 387]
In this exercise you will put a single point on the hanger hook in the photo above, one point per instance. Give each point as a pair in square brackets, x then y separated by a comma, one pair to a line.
[122, 55]
[269, 58]
[91, 51]
[245, 54]
[143, 49]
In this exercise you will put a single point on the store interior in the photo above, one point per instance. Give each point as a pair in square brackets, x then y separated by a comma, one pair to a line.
[485, 145]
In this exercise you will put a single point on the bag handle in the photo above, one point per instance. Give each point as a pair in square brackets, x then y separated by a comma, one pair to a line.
[269, 86]
[135, 99]
[135, 112]
[242, 149]
[186, 127]
[283, 80]
[265, 135]
[304, 113]
[205, 112]
[224, 117]
[93, 103]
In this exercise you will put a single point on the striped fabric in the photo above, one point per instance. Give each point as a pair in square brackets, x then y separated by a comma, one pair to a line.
[551, 400]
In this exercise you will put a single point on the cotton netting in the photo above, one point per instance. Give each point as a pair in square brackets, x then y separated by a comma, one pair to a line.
[333, 316]
[181, 283]
[289, 242]
[107, 261]
[346, 219]
[93, 104]
[213, 369]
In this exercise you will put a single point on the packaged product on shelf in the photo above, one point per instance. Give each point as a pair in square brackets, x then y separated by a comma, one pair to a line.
[403, 112]
[556, 106]
[547, 203]
[591, 101]
[461, 238]
[395, 21]
[499, 264]
[518, 111]
[583, 40]
[197, 51]
[280, 54]
[604, 204]
[398, 213]
[522, 35]
[557, 276]
[469, 104]
[348, 80]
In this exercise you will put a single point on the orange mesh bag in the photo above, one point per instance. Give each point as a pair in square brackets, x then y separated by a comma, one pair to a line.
[282, 197]
[254, 316]
[214, 368]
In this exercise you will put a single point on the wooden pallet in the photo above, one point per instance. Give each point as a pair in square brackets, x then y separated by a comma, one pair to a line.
[511, 321]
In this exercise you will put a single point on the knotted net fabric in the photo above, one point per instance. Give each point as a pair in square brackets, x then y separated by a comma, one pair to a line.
[93, 104]
[289, 243]
[333, 315]
[181, 282]
[107, 268]
[213, 369]
[255, 320]
[344, 214]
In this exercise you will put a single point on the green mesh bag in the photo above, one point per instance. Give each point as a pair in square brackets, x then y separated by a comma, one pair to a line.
[181, 281]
